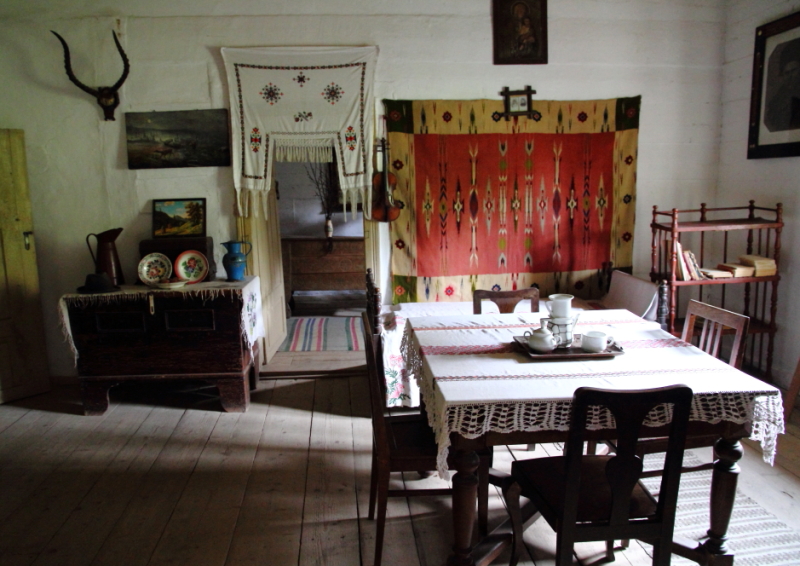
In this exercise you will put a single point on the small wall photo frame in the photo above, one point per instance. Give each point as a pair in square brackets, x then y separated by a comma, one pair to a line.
[517, 102]
[774, 128]
[177, 218]
[519, 32]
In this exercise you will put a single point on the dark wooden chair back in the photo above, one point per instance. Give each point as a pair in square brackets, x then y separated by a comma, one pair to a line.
[716, 321]
[600, 498]
[377, 385]
[373, 304]
[505, 300]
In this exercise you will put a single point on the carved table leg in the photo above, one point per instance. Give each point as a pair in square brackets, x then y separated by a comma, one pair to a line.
[465, 496]
[723, 493]
[234, 393]
[94, 395]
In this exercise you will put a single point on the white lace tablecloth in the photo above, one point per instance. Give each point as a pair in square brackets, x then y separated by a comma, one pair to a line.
[401, 386]
[474, 380]
[248, 289]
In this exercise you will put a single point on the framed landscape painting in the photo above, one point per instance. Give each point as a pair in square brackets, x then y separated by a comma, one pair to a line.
[774, 129]
[519, 31]
[179, 217]
[184, 138]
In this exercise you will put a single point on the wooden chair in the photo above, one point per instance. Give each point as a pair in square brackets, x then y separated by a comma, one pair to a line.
[715, 322]
[373, 303]
[505, 300]
[631, 293]
[403, 443]
[591, 498]
[791, 394]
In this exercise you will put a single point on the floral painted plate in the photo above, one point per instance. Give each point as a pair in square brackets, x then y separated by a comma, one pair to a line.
[154, 268]
[191, 266]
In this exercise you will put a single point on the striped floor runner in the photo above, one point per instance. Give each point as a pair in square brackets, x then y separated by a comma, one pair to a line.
[757, 538]
[323, 333]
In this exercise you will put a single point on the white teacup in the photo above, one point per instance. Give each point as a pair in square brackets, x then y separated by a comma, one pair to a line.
[560, 305]
[595, 341]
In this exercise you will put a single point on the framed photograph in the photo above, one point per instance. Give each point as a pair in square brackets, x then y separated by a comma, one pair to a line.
[775, 94]
[177, 218]
[185, 138]
[519, 31]
[517, 102]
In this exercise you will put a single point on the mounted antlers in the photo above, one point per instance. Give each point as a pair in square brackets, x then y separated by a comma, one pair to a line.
[107, 96]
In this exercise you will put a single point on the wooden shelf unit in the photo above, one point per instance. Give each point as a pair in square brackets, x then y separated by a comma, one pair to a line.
[760, 294]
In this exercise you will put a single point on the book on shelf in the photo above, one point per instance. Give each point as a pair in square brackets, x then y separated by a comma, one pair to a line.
[716, 273]
[763, 266]
[694, 265]
[682, 270]
[737, 269]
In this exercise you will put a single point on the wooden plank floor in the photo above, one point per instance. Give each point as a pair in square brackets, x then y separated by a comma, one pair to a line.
[165, 478]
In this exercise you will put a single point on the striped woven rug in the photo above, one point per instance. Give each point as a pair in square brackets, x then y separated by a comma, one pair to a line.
[323, 334]
[757, 538]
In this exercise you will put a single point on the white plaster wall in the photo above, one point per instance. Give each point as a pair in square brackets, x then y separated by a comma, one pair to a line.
[768, 181]
[668, 51]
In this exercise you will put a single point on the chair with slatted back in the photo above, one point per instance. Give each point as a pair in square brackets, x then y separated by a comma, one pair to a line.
[403, 443]
[708, 323]
[715, 323]
[600, 498]
[505, 300]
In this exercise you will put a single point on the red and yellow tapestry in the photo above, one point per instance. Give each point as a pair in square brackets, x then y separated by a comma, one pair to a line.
[502, 204]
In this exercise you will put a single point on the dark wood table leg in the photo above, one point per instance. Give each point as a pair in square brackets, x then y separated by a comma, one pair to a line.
[94, 395]
[234, 393]
[723, 493]
[465, 497]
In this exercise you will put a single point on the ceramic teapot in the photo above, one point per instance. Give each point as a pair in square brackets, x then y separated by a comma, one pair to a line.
[542, 340]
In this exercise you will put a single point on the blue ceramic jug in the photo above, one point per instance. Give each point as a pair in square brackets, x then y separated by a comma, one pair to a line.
[235, 261]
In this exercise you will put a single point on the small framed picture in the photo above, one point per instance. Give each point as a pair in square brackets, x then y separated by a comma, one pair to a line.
[176, 218]
[517, 102]
[774, 128]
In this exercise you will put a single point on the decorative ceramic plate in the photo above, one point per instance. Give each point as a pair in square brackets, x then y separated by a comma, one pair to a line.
[154, 268]
[171, 285]
[191, 266]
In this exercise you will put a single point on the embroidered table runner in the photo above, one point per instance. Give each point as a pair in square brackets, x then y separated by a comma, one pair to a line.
[474, 392]
[249, 289]
[300, 104]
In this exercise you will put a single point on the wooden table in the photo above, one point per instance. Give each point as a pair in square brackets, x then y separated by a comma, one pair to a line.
[480, 390]
[205, 331]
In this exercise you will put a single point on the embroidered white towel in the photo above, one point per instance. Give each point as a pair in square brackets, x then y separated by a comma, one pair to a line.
[300, 104]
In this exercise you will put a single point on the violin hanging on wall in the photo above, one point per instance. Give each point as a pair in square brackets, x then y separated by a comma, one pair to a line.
[384, 207]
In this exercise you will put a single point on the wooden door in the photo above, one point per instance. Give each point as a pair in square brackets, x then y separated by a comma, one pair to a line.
[23, 359]
[265, 261]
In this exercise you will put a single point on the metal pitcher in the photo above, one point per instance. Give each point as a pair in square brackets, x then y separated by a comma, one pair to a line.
[105, 256]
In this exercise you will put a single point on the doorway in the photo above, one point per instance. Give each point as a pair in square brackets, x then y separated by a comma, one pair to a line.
[323, 274]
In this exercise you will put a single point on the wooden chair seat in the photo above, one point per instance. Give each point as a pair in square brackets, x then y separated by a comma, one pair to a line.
[594, 495]
[601, 498]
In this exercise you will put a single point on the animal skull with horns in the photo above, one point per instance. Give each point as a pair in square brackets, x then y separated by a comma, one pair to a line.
[107, 96]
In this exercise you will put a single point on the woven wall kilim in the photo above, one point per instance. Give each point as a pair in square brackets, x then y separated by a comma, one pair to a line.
[497, 204]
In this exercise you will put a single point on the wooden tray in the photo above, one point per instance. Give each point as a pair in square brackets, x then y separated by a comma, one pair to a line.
[574, 352]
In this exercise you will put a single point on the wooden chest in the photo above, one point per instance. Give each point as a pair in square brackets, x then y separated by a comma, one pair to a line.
[162, 335]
